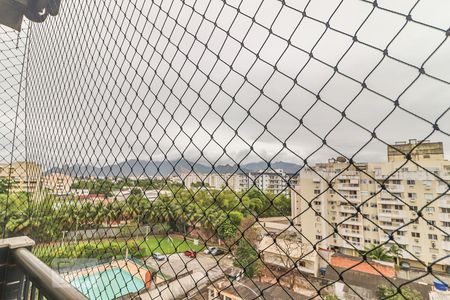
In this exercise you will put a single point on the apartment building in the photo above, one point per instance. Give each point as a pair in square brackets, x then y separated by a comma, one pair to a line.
[236, 182]
[24, 176]
[58, 184]
[274, 181]
[369, 202]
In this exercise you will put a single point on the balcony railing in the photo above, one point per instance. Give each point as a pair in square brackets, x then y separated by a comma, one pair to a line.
[27, 277]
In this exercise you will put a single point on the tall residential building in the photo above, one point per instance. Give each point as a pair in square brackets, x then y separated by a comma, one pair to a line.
[24, 176]
[58, 184]
[274, 181]
[236, 182]
[368, 202]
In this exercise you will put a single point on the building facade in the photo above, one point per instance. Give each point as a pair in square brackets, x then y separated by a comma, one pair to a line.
[21, 176]
[237, 182]
[368, 203]
[275, 181]
[58, 184]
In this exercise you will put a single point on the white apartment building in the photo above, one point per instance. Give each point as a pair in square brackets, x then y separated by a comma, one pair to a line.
[420, 186]
[236, 182]
[275, 181]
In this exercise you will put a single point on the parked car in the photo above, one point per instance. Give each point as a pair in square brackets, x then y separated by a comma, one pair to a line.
[190, 253]
[158, 256]
[209, 249]
[217, 251]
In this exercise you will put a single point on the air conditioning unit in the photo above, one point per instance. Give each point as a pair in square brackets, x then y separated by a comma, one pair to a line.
[431, 227]
[414, 226]
[416, 240]
[433, 245]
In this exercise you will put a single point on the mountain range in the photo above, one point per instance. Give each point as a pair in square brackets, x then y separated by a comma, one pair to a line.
[137, 168]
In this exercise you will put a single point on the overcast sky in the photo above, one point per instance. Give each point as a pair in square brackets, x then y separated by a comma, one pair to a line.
[115, 80]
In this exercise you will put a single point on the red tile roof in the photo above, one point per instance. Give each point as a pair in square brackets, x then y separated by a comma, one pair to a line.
[356, 264]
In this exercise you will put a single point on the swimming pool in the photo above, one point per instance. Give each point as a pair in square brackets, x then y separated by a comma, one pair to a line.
[108, 284]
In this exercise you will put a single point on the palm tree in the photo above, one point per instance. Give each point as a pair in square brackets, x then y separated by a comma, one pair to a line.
[378, 253]
[396, 252]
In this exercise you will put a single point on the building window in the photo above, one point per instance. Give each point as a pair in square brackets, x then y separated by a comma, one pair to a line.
[429, 209]
[430, 222]
[412, 196]
[316, 192]
[318, 237]
[428, 197]
[432, 237]
[410, 182]
[415, 234]
[427, 183]
[416, 249]
[445, 224]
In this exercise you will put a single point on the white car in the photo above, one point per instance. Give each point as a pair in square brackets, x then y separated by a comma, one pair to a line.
[208, 250]
[158, 256]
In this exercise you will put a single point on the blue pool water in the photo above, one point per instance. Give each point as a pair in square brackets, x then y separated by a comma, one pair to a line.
[108, 284]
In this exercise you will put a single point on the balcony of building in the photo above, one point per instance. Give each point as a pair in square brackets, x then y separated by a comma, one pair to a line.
[444, 217]
[351, 221]
[399, 239]
[348, 187]
[390, 225]
[347, 209]
[391, 213]
[351, 232]
[26, 277]
[446, 245]
[395, 188]
[444, 202]
[443, 189]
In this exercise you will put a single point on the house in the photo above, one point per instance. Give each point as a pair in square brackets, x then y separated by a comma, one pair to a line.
[284, 252]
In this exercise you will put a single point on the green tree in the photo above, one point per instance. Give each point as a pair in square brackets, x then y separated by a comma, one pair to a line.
[226, 230]
[4, 186]
[392, 293]
[247, 258]
[378, 253]
[396, 252]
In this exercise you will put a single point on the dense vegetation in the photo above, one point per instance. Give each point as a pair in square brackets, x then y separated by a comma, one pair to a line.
[392, 292]
[109, 249]
[218, 212]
